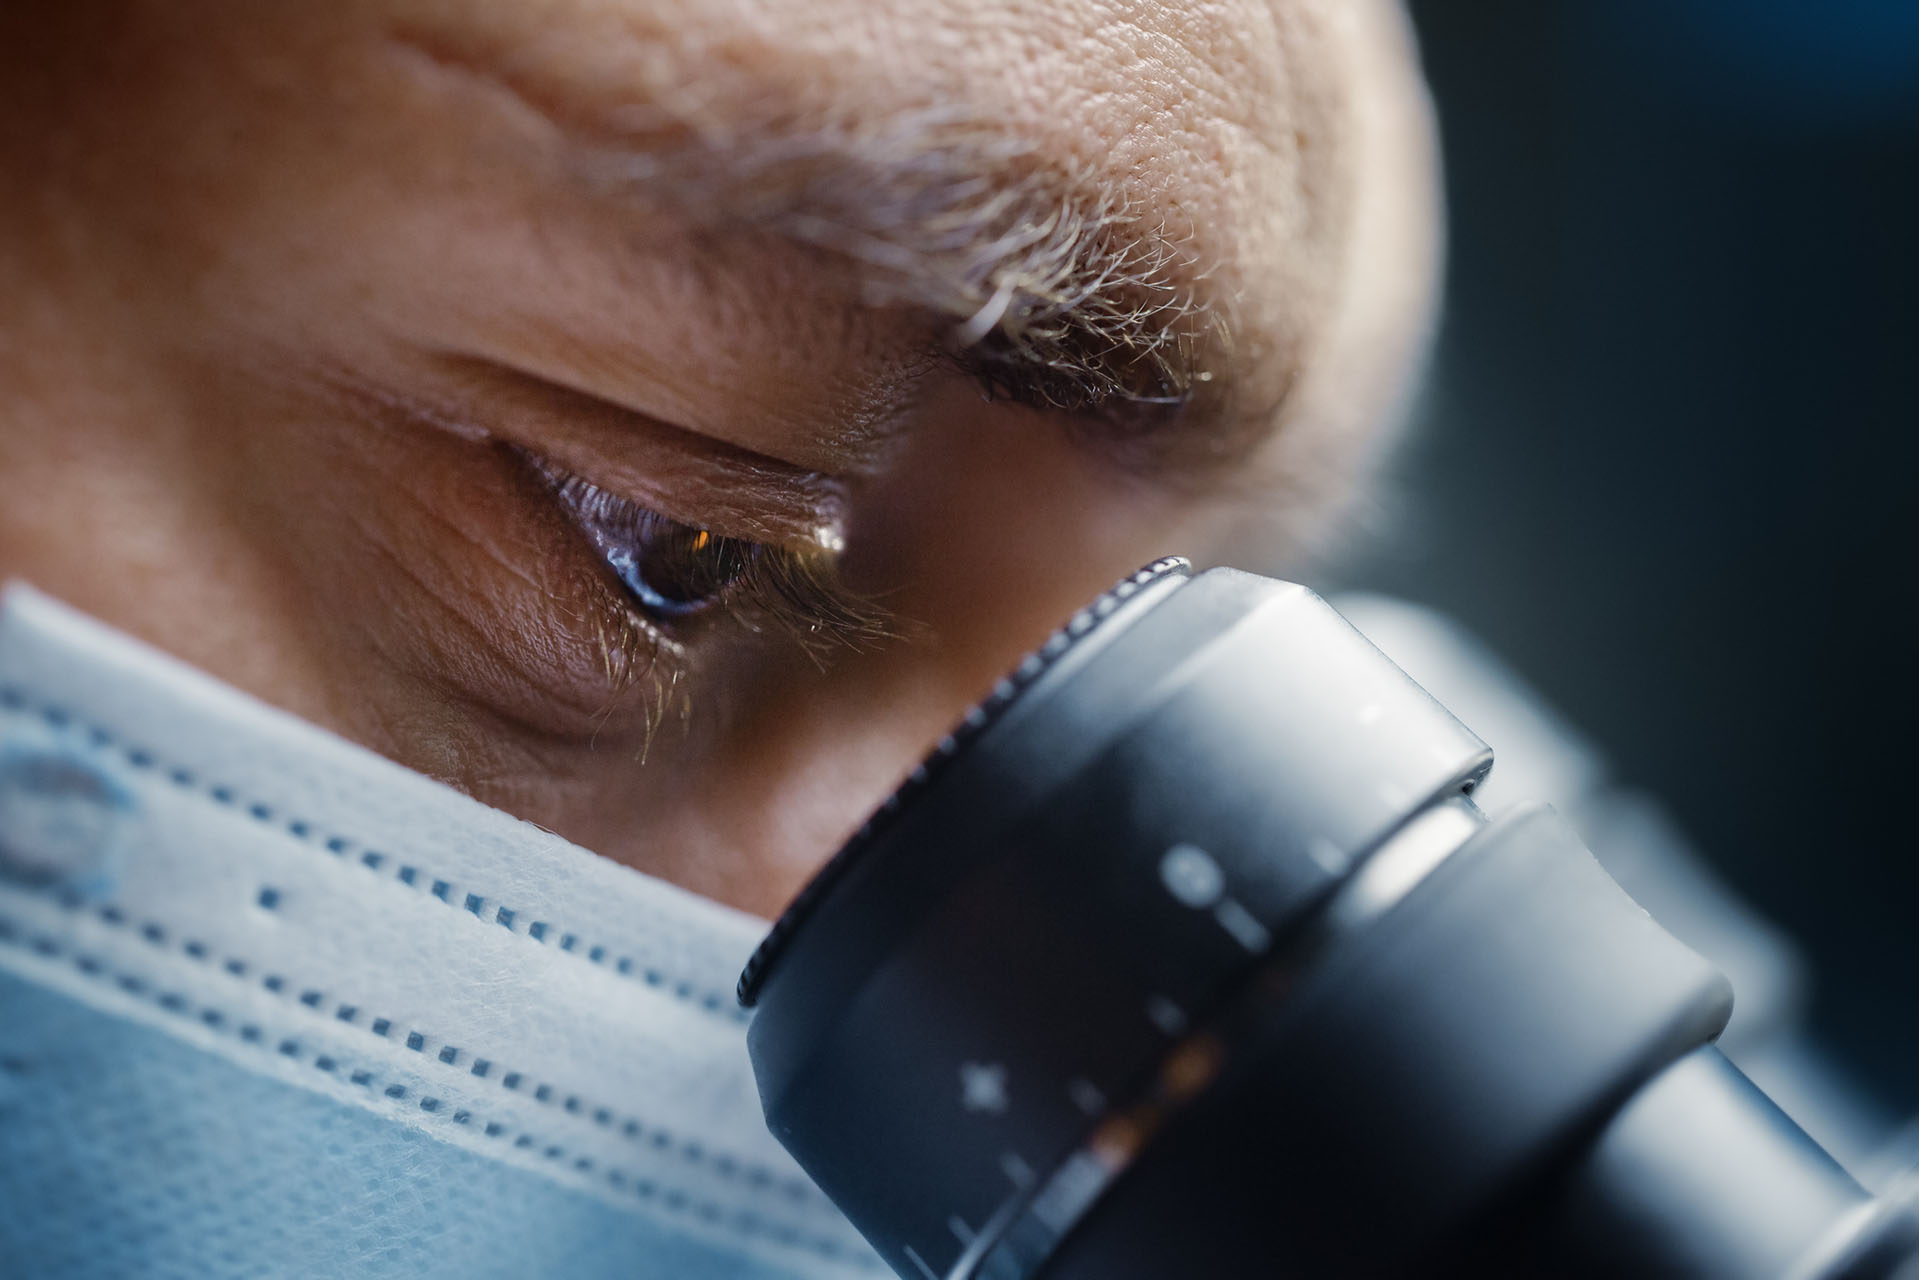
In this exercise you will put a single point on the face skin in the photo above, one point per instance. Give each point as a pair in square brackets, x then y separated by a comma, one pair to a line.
[298, 304]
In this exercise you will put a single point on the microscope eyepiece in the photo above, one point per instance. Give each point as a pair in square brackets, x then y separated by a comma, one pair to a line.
[1188, 954]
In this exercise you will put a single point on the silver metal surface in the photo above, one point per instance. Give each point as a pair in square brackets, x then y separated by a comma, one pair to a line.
[1398, 866]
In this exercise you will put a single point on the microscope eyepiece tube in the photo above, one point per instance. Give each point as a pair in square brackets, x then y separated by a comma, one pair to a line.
[1189, 954]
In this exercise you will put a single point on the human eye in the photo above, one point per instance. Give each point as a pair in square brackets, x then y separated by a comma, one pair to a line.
[676, 577]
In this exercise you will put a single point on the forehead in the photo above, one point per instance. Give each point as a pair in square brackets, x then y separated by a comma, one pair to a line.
[1172, 94]
[1220, 129]
[1208, 129]
[1198, 112]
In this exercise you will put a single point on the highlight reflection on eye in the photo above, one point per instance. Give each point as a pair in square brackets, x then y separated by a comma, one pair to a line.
[671, 570]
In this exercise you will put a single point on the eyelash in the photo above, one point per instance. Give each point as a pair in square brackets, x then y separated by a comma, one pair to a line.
[791, 590]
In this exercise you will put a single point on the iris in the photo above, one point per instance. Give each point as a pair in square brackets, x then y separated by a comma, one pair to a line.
[672, 570]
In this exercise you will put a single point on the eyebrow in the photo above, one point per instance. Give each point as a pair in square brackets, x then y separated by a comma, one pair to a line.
[1062, 288]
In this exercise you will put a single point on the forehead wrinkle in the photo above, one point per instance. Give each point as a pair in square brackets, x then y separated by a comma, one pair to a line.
[1063, 285]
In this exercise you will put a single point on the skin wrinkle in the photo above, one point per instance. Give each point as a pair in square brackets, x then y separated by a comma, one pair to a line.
[641, 668]
[471, 652]
[464, 661]
[857, 383]
[866, 371]
[496, 657]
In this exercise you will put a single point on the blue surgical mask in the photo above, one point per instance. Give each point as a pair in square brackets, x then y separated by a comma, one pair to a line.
[271, 1005]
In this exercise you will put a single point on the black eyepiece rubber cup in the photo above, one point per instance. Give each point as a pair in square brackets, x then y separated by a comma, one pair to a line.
[957, 1019]
[1186, 955]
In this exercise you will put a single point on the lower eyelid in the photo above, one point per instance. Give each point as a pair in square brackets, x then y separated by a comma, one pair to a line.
[503, 632]
[637, 674]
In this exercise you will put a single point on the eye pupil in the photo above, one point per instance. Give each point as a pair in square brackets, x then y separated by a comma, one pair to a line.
[675, 570]
[670, 569]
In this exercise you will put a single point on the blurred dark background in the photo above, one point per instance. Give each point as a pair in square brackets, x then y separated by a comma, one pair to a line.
[1666, 462]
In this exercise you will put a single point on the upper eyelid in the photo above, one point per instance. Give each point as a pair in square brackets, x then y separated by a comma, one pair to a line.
[822, 538]
[709, 484]
[805, 531]
[685, 476]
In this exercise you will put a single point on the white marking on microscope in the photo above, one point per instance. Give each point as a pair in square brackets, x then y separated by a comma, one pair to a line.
[1166, 1015]
[983, 1088]
[1327, 854]
[1238, 921]
[1191, 875]
[920, 1262]
[1086, 1096]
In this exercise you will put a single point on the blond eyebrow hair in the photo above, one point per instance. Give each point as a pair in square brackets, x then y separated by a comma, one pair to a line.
[1063, 290]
